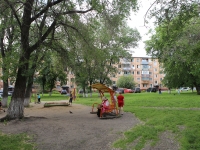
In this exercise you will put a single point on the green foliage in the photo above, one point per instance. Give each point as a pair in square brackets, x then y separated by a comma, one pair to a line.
[65, 28]
[176, 45]
[126, 82]
[107, 42]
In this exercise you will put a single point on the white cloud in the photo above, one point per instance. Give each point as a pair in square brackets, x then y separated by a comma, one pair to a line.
[137, 21]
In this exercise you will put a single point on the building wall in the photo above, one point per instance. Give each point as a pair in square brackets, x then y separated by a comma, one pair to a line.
[146, 72]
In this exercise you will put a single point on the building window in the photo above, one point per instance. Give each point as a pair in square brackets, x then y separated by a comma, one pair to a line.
[155, 63]
[138, 85]
[160, 79]
[138, 79]
[151, 85]
[113, 76]
[133, 72]
[118, 72]
[125, 72]
[150, 72]
[155, 69]
[150, 79]
[119, 66]
[138, 66]
[132, 60]
[156, 82]
[114, 82]
[138, 72]
[156, 75]
[144, 85]
[138, 60]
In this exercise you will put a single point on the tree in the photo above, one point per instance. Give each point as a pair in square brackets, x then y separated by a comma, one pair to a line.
[46, 18]
[177, 48]
[93, 62]
[126, 82]
[8, 48]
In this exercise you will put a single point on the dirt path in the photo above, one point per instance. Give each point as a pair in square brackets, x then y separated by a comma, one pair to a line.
[54, 128]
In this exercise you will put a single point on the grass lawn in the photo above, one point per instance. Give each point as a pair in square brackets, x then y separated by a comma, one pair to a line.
[179, 114]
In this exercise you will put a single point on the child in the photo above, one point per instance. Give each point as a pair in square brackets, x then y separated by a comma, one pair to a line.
[120, 99]
[38, 95]
[70, 98]
[105, 104]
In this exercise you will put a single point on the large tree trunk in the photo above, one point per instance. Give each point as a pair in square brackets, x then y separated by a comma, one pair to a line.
[16, 107]
[198, 90]
[5, 94]
[28, 92]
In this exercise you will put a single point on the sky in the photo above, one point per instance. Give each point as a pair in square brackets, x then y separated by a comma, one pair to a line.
[137, 21]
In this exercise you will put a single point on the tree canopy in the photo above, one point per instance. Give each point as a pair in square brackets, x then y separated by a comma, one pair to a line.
[61, 26]
[126, 82]
[175, 43]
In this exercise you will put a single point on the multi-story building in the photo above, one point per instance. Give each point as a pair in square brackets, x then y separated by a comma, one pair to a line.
[145, 71]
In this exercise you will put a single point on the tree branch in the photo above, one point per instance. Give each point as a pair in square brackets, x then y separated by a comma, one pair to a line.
[148, 11]
[14, 12]
[45, 9]
[38, 43]
[76, 11]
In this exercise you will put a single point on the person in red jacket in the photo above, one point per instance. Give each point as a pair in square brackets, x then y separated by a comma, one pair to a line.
[120, 99]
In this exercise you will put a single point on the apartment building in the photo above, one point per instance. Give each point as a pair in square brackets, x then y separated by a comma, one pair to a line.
[145, 71]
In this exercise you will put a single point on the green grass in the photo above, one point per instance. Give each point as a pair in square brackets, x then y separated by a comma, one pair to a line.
[15, 142]
[163, 112]
[179, 114]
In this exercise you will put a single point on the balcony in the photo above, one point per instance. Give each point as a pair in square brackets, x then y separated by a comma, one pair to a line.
[145, 77]
[144, 62]
[126, 68]
[125, 61]
[145, 73]
[145, 69]
[145, 81]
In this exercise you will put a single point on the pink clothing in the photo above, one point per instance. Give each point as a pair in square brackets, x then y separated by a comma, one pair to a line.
[105, 105]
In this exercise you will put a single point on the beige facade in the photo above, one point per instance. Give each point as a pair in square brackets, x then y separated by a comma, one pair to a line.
[146, 72]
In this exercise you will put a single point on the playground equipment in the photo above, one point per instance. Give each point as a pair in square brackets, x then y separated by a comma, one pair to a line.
[109, 112]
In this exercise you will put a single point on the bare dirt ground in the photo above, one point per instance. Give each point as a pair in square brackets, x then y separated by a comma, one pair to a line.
[54, 128]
